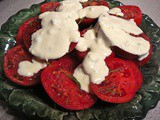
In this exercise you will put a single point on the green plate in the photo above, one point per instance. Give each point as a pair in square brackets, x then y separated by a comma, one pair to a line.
[34, 102]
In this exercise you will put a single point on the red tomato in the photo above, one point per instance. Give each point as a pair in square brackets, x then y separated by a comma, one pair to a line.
[11, 61]
[29, 27]
[49, 6]
[132, 12]
[19, 35]
[144, 61]
[123, 54]
[86, 22]
[120, 85]
[62, 89]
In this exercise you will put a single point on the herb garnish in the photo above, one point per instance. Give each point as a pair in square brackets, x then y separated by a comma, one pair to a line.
[73, 78]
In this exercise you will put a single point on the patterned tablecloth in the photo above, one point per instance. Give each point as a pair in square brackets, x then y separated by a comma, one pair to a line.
[10, 7]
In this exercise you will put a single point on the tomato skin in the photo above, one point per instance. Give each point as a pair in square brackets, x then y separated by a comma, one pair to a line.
[49, 6]
[86, 22]
[120, 85]
[11, 60]
[132, 12]
[62, 89]
[19, 36]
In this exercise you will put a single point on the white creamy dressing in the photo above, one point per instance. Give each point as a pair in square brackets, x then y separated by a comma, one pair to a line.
[70, 8]
[142, 57]
[28, 69]
[118, 30]
[57, 33]
[82, 78]
[93, 63]
[59, 29]
[92, 11]
[116, 11]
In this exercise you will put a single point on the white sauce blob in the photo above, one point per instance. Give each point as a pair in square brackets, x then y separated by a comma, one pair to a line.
[116, 11]
[118, 31]
[53, 40]
[92, 11]
[70, 8]
[28, 69]
[93, 63]
[82, 78]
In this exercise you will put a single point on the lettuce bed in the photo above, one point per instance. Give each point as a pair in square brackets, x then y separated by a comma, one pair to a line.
[34, 103]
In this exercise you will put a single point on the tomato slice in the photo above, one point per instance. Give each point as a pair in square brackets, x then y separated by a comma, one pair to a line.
[30, 26]
[49, 6]
[144, 61]
[126, 55]
[26, 29]
[86, 22]
[11, 61]
[62, 89]
[132, 12]
[119, 85]
[19, 35]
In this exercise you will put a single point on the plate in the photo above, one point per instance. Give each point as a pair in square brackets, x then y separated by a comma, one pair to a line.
[34, 102]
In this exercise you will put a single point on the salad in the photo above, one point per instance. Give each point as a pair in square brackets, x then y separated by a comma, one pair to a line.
[81, 55]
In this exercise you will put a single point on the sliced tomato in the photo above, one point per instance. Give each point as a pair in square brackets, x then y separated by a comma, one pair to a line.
[144, 61]
[132, 12]
[26, 29]
[86, 22]
[19, 35]
[123, 54]
[62, 89]
[49, 6]
[30, 26]
[11, 61]
[138, 75]
[120, 85]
